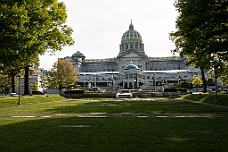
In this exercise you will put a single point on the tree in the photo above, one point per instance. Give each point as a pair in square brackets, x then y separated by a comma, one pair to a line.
[186, 84]
[5, 83]
[222, 74]
[201, 32]
[197, 81]
[39, 27]
[44, 82]
[35, 86]
[62, 75]
[12, 18]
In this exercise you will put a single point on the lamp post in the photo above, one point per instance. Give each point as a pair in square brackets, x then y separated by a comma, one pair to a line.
[69, 89]
[112, 82]
[19, 89]
[136, 82]
[84, 80]
[111, 85]
[216, 83]
[178, 78]
[154, 81]
[123, 80]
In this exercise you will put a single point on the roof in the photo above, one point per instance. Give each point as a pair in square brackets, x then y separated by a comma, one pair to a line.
[131, 34]
[131, 66]
[78, 54]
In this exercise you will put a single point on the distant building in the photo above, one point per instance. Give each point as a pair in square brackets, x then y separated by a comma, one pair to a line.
[132, 68]
[35, 75]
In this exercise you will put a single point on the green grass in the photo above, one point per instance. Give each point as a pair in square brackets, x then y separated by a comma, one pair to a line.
[125, 133]
[113, 107]
[208, 98]
[8, 101]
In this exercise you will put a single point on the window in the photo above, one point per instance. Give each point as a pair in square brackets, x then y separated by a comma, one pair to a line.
[131, 45]
[136, 45]
[126, 46]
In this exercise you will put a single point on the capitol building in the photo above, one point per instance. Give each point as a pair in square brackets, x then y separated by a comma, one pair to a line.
[131, 68]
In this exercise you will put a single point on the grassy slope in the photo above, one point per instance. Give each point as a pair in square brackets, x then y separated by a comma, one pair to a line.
[208, 98]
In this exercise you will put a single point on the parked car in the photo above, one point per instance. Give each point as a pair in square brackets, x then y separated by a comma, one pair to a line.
[124, 93]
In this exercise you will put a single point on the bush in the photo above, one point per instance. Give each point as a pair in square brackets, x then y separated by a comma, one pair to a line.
[175, 90]
[37, 92]
[74, 92]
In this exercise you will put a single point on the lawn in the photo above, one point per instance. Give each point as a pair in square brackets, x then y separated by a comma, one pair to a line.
[8, 101]
[221, 99]
[158, 124]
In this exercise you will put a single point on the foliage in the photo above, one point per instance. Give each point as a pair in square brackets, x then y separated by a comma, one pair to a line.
[29, 29]
[5, 83]
[12, 20]
[185, 84]
[175, 89]
[196, 81]
[75, 91]
[44, 81]
[62, 75]
[35, 86]
[223, 76]
[201, 34]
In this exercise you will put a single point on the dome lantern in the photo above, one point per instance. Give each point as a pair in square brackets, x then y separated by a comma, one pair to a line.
[131, 26]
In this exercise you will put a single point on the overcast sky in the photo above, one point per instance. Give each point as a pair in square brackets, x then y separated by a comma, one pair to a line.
[99, 25]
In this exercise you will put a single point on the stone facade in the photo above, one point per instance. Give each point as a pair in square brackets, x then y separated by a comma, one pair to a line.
[150, 72]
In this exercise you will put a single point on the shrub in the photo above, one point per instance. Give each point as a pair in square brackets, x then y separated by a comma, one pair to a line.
[175, 89]
[74, 92]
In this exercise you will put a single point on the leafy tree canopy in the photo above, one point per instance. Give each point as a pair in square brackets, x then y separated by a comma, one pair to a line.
[196, 81]
[63, 74]
[201, 34]
[29, 28]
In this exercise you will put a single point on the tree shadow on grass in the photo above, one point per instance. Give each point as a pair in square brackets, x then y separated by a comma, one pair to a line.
[113, 134]
[172, 107]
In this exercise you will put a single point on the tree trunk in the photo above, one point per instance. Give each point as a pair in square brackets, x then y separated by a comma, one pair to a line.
[13, 83]
[204, 80]
[26, 81]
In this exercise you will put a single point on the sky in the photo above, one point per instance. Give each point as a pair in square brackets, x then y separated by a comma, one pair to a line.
[98, 26]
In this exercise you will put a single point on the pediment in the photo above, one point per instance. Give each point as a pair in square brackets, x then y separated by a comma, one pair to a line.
[131, 55]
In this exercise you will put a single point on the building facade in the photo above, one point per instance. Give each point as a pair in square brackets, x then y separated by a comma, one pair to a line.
[132, 68]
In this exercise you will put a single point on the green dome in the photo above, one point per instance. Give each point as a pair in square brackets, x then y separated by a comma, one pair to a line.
[131, 34]
[78, 54]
